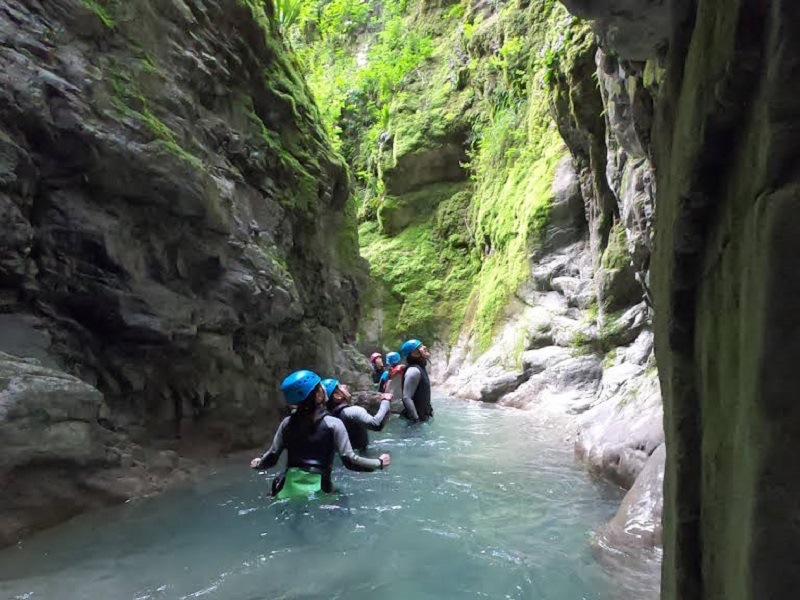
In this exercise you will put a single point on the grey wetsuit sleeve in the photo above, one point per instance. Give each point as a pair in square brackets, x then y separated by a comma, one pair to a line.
[409, 387]
[350, 459]
[273, 453]
[360, 415]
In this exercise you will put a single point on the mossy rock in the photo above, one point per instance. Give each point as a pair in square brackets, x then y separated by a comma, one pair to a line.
[453, 220]
[618, 288]
[395, 214]
[413, 171]
[398, 212]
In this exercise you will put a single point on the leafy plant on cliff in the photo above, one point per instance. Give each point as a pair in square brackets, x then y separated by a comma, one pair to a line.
[290, 12]
[409, 77]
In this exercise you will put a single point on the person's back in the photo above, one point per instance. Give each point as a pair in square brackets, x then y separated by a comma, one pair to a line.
[311, 437]
[356, 419]
[417, 388]
[310, 446]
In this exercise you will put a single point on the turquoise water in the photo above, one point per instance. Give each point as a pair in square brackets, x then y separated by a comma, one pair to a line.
[480, 503]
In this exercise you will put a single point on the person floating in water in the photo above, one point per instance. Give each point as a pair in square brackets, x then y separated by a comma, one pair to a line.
[416, 384]
[393, 377]
[377, 368]
[311, 437]
[355, 418]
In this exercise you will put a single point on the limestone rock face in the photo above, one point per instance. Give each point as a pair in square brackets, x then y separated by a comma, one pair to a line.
[426, 166]
[630, 545]
[59, 456]
[183, 259]
[636, 29]
[622, 430]
[171, 216]
[727, 289]
[725, 286]
[566, 222]
[47, 415]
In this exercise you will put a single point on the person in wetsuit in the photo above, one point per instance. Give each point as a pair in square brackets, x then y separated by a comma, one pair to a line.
[355, 418]
[311, 437]
[377, 369]
[392, 379]
[416, 384]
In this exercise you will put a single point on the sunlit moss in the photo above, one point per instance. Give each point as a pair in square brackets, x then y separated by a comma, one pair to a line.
[461, 258]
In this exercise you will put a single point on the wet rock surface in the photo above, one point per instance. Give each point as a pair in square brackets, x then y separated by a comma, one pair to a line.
[577, 346]
[172, 217]
[637, 29]
[60, 455]
[637, 524]
[723, 286]
[594, 378]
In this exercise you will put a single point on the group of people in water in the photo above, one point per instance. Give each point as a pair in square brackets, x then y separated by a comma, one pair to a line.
[323, 421]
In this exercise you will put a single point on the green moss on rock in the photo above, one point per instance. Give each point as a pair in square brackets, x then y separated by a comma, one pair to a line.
[475, 101]
[101, 9]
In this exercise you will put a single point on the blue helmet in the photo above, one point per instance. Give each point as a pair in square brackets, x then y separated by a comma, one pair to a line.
[409, 346]
[297, 386]
[392, 359]
[330, 386]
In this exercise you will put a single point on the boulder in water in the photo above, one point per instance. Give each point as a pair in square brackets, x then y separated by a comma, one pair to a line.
[637, 524]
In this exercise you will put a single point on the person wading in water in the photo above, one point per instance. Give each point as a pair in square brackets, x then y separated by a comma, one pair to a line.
[377, 369]
[311, 437]
[355, 418]
[416, 385]
[392, 379]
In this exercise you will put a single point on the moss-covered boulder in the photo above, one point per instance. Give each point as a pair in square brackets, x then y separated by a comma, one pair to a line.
[442, 163]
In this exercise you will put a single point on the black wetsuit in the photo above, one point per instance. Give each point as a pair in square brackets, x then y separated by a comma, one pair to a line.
[417, 393]
[377, 374]
[357, 420]
[312, 450]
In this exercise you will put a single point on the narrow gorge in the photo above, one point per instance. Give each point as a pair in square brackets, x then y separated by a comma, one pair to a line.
[582, 207]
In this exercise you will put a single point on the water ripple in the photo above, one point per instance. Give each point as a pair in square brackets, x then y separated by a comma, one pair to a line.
[481, 503]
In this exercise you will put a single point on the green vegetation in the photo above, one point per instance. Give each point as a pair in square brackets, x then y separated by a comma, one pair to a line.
[399, 78]
[290, 12]
[616, 255]
[131, 102]
[609, 358]
[425, 273]
[99, 8]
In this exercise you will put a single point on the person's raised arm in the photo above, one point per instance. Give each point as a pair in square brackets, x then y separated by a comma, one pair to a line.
[360, 415]
[349, 458]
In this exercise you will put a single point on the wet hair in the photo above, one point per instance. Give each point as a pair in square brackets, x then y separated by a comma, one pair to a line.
[417, 360]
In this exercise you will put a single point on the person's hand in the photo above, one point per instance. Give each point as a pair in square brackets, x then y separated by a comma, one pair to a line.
[255, 462]
[385, 459]
[386, 396]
